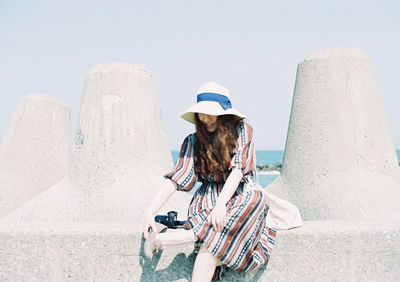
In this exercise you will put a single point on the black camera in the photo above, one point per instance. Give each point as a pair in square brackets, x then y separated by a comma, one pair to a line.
[170, 220]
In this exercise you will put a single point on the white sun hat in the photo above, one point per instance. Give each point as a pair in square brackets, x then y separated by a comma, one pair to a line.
[212, 99]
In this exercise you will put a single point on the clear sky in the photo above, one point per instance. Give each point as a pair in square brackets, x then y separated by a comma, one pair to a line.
[252, 47]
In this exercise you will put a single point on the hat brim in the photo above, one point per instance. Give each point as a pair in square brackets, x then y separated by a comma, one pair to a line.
[209, 108]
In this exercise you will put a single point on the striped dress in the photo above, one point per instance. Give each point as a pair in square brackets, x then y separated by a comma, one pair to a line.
[245, 243]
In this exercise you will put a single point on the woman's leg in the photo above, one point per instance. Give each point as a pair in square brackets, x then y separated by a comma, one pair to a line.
[159, 241]
[177, 238]
[204, 266]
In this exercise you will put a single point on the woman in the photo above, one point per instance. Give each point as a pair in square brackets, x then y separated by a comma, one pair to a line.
[228, 222]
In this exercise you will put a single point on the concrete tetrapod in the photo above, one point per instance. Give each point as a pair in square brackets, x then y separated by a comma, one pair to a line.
[341, 170]
[34, 151]
[117, 162]
[339, 161]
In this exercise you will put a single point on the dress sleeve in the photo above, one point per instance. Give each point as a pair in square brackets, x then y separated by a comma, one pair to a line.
[243, 157]
[184, 174]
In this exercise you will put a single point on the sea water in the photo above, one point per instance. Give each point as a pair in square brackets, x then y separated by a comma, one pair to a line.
[270, 157]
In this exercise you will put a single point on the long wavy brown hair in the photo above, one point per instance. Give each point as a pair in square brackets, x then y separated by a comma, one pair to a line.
[213, 151]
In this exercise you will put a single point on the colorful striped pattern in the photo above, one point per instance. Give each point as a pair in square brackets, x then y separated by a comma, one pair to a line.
[246, 242]
[183, 174]
[244, 153]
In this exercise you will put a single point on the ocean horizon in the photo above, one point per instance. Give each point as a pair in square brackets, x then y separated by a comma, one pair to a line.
[270, 157]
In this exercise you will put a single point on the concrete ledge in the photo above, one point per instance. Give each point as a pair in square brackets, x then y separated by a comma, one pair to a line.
[320, 250]
[337, 251]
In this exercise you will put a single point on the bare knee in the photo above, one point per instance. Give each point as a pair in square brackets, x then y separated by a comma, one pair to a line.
[204, 265]
[206, 257]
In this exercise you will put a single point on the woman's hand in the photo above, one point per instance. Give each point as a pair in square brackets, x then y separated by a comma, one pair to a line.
[164, 193]
[217, 216]
[149, 222]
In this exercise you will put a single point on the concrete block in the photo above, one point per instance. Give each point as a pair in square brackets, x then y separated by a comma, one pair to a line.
[34, 151]
[120, 129]
[87, 251]
[339, 161]
[337, 251]
[120, 154]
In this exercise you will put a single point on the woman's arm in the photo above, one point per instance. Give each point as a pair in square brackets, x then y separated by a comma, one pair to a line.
[166, 190]
[230, 186]
[218, 215]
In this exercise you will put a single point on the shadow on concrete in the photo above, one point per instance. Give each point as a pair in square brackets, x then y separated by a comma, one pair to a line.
[233, 275]
[181, 267]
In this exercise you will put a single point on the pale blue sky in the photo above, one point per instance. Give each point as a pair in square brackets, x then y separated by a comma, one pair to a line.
[252, 47]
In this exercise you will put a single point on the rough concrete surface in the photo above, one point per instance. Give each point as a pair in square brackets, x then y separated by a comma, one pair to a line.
[339, 161]
[87, 251]
[34, 150]
[115, 167]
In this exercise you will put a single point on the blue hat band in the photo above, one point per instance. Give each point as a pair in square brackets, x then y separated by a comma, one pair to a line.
[214, 97]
